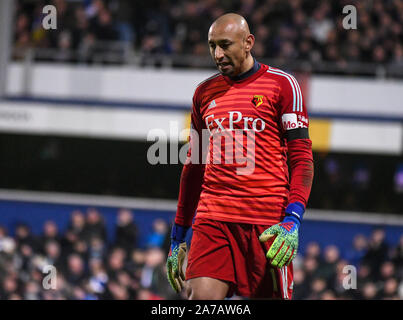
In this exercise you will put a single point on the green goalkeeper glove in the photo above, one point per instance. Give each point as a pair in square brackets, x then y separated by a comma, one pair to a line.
[176, 257]
[285, 245]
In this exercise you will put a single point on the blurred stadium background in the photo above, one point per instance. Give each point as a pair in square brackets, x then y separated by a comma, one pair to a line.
[76, 104]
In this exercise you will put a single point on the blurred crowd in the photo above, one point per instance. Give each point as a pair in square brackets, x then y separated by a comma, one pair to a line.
[370, 270]
[87, 266]
[285, 30]
[90, 267]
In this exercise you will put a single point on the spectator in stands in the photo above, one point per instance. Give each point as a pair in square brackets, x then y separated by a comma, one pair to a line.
[370, 291]
[307, 30]
[397, 257]
[159, 234]
[50, 233]
[364, 274]
[137, 259]
[116, 262]
[313, 251]
[8, 255]
[81, 26]
[75, 231]
[377, 251]
[126, 231]
[97, 248]
[7, 243]
[75, 273]
[32, 291]
[320, 24]
[317, 288]
[95, 226]
[301, 285]
[52, 254]
[310, 267]
[26, 255]
[387, 280]
[345, 285]
[153, 273]
[358, 250]
[102, 25]
[390, 289]
[98, 277]
[9, 287]
[80, 248]
[327, 269]
[24, 236]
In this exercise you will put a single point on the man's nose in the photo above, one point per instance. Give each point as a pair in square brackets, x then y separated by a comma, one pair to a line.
[219, 53]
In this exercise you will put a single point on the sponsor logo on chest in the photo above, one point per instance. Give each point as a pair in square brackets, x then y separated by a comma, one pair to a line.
[233, 120]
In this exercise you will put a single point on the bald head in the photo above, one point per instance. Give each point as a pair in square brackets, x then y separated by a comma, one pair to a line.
[232, 22]
[230, 43]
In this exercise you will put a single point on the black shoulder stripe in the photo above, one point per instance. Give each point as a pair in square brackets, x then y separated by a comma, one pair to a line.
[299, 133]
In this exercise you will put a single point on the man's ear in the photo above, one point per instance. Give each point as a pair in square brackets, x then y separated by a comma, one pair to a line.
[249, 42]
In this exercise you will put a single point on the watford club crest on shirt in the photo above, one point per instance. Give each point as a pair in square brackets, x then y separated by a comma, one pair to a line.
[257, 100]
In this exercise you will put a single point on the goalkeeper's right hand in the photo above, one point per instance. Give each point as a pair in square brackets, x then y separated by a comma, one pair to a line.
[176, 257]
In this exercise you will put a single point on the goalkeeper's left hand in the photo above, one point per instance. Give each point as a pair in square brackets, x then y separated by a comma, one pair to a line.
[284, 248]
[176, 257]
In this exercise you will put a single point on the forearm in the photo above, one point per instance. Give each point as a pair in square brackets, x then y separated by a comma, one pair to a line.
[302, 170]
[189, 193]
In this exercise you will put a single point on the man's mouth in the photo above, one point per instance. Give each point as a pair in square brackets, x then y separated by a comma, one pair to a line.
[224, 64]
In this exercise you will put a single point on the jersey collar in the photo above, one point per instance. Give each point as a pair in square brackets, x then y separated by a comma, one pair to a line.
[243, 79]
[246, 74]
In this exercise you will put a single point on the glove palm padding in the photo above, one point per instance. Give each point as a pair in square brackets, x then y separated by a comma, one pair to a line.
[175, 274]
[285, 245]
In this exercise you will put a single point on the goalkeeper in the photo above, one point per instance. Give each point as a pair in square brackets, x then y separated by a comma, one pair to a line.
[249, 214]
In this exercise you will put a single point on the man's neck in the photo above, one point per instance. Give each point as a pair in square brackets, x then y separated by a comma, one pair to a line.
[252, 68]
[249, 62]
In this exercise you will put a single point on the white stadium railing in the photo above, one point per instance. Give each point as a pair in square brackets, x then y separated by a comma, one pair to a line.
[170, 205]
[118, 52]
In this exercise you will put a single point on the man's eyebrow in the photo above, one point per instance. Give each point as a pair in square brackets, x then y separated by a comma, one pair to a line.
[220, 41]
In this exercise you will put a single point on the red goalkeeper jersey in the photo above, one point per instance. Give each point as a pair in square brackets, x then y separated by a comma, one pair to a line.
[247, 180]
